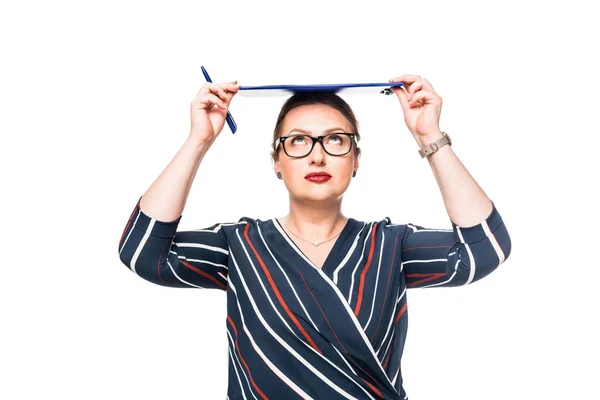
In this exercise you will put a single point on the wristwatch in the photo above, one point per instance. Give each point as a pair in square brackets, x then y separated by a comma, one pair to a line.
[435, 146]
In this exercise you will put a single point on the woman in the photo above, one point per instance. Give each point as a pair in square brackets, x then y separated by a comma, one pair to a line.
[316, 301]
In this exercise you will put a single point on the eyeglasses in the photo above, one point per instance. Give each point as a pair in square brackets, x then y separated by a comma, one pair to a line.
[335, 144]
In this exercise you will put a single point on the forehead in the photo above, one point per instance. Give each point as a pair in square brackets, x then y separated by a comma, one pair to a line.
[315, 119]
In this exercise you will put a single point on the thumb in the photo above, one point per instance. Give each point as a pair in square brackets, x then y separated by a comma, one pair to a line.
[402, 95]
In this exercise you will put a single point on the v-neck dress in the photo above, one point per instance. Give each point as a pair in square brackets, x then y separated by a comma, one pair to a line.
[300, 332]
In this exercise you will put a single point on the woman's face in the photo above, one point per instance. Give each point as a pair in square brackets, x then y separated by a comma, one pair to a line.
[316, 120]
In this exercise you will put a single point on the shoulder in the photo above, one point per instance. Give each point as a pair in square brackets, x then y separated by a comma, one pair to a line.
[241, 223]
[384, 225]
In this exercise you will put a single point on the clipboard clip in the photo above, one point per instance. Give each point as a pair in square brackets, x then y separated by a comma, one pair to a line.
[387, 91]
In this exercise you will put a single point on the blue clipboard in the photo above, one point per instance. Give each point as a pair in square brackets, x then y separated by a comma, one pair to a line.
[286, 90]
[338, 88]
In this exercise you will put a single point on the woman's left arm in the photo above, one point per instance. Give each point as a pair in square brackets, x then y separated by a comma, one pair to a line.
[465, 201]
[478, 242]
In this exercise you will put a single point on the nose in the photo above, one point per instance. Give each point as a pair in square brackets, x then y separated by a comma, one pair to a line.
[318, 152]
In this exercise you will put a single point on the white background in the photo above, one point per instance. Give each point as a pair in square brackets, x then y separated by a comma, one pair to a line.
[95, 103]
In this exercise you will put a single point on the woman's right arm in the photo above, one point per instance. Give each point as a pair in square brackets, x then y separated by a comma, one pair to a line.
[150, 244]
[166, 198]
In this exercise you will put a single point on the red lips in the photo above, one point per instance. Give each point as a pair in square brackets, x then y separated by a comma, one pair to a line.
[317, 174]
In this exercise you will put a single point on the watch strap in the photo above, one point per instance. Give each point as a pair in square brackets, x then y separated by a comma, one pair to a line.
[435, 146]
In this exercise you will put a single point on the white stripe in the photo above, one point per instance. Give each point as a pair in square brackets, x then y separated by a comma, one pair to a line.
[141, 244]
[218, 227]
[446, 281]
[203, 246]
[286, 277]
[377, 279]
[393, 335]
[391, 320]
[417, 230]
[358, 263]
[492, 238]
[191, 259]
[237, 373]
[471, 258]
[425, 261]
[348, 254]
[283, 342]
[293, 245]
[273, 367]
[396, 376]
[392, 338]
[181, 279]
[241, 367]
[129, 233]
[385, 340]
[346, 362]
[197, 260]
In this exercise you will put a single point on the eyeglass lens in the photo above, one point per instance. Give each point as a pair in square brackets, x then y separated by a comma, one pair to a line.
[300, 145]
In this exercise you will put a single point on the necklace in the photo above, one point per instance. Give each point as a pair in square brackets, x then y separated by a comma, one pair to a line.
[313, 243]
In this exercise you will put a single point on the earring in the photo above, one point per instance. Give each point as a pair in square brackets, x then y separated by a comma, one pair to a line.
[279, 174]
[353, 174]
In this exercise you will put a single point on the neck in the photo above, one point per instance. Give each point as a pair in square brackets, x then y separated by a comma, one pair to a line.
[315, 221]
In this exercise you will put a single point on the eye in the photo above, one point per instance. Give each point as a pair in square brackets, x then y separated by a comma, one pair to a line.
[298, 139]
[334, 138]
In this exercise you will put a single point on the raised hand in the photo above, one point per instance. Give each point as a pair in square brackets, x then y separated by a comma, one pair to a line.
[209, 110]
[421, 106]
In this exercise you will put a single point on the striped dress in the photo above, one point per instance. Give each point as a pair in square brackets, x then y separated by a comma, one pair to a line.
[299, 332]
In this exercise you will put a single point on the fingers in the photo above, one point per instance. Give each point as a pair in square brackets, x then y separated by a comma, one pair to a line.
[407, 79]
[413, 83]
[424, 97]
[219, 94]
[402, 95]
[208, 101]
[419, 85]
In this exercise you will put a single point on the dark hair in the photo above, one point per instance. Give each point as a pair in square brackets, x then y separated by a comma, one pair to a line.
[306, 98]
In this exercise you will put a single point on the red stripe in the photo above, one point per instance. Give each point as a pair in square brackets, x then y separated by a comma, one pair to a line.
[386, 290]
[386, 360]
[203, 273]
[363, 273]
[400, 312]
[429, 277]
[244, 361]
[426, 247]
[165, 247]
[496, 240]
[279, 297]
[129, 222]
[373, 388]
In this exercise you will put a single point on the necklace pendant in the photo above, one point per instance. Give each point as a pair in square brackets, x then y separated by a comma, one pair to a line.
[317, 244]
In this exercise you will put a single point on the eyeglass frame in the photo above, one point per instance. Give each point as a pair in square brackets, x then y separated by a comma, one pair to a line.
[316, 139]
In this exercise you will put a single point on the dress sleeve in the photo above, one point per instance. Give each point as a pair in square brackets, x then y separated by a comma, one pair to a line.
[158, 253]
[456, 257]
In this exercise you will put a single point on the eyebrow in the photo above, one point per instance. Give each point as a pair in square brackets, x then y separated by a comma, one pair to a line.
[310, 133]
